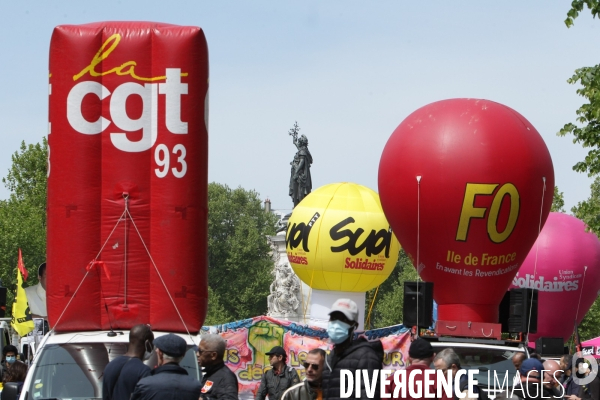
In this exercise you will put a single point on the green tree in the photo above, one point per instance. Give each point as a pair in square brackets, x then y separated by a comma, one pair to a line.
[387, 306]
[216, 312]
[238, 252]
[558, 201]
[589, 210]
[588, 115]
[589, 327]
[23, 215]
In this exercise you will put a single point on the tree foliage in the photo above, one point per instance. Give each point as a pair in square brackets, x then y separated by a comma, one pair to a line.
[387, 305]
[588, 115]
[589, 327]
[558, 201]
[23, 215]
[577, 7]
[239, 255]
[589, 212]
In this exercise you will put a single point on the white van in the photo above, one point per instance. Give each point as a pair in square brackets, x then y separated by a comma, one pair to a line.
[71, 365]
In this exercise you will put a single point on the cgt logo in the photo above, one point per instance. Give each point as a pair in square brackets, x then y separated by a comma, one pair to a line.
[298, 233]
[373, 244]
[120, 123]
[172, 88]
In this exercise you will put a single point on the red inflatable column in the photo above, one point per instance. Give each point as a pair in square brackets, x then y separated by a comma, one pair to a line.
[128, 157]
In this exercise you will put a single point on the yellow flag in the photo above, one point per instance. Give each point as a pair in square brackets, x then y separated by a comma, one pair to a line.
[21, 316]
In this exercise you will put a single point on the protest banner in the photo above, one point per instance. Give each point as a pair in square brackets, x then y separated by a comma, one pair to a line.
[248, 340]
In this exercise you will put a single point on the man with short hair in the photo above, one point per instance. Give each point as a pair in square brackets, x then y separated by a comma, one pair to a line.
[169, 380]
[447, 360]
[551, 382]
[218, 382]
[36, 295]
[518, 358]
[279, 378]
[124, 372]
[310, 389]
[349, 354]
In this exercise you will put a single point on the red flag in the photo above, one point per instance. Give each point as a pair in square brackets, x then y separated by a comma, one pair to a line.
[576, 338]
[21, 266]
[96, 263]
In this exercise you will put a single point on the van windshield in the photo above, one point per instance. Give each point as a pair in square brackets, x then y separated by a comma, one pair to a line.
[75, 370]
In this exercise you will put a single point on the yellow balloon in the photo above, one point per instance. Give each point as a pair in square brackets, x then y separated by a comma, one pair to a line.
[339, 239]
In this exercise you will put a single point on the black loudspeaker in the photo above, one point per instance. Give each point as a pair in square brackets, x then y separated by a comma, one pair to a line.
[515, 309]
[417, 309]
[545, 346]
[2, 301]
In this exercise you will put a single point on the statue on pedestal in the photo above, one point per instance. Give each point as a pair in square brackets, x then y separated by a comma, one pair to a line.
[300, 179]
[285, 297]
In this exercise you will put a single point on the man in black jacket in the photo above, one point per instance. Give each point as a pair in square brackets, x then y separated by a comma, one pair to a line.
[279, 378]
[349, 354]
[169, 381]
[218, 382]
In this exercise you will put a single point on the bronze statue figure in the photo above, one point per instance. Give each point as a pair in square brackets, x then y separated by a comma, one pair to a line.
[300, 180]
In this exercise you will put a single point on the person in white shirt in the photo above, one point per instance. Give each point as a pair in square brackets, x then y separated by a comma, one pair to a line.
[36, 295]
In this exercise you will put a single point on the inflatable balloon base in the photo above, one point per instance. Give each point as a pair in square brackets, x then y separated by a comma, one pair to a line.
[468, 329]
[320, 302]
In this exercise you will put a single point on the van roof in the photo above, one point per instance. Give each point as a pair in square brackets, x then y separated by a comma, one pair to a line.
[102, 337]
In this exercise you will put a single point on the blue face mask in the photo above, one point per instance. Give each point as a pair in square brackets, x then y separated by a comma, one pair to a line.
[338, 331]
[11, 360]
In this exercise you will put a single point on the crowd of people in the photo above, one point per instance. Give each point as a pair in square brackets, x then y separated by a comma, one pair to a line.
[539, 378]
[128, 377]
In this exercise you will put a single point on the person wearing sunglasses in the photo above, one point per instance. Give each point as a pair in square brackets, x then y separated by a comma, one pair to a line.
[278, 379]
[218, 381]
[310, 389]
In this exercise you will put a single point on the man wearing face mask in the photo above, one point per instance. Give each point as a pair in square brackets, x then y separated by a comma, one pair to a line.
[9, 352]
[123, 373]
[349, 354]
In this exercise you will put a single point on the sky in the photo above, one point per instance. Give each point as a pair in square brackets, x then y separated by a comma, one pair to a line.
[347, 71]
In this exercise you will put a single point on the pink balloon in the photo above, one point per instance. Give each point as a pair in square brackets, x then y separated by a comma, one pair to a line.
[563, 250]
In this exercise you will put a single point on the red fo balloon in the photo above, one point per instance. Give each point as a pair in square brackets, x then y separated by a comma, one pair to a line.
[466, 185]
[564, 265]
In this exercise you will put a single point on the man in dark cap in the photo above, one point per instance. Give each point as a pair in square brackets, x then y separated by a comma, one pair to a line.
[169, 380]
[349, 353]
[123, 373]
[279, 378]
[530, 387]
[420, 357]
[218, 382]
